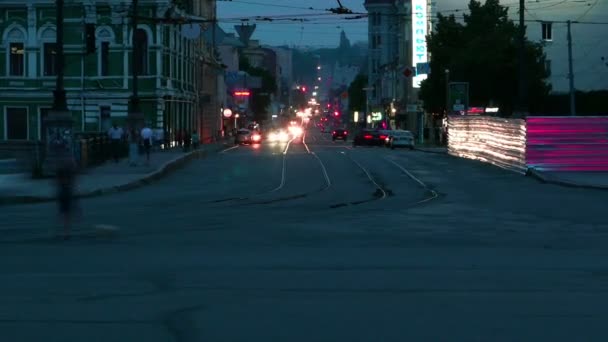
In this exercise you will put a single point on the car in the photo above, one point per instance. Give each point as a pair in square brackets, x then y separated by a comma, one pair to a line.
[401, 138]
[339, 133]
[369, 137]
[245, 136]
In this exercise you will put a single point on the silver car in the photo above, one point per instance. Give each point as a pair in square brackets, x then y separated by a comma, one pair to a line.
[243, 136]
[401, 139]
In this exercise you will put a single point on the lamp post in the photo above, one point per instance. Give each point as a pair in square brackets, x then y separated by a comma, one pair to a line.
[135, 117]
[447, 91]
[58, 124]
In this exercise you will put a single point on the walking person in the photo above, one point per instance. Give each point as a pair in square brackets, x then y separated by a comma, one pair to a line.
[187, 141]
[146, 137]
[66, 177]
[196, 140]
[116, 135]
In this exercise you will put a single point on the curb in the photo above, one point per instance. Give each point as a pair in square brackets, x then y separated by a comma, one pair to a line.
[545, 180]
[149, 178]
[428, 151]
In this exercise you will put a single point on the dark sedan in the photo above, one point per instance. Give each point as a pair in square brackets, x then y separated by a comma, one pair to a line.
[370, 138]
[339, 133]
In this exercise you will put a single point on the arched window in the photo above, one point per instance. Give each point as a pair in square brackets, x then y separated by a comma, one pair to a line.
[105, 38]
[47, 37]
[15, 38]
[141, 51]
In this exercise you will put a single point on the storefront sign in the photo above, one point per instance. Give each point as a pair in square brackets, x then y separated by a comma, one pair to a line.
[419, 32]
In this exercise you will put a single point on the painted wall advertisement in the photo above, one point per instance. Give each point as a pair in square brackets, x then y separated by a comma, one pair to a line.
[419, 32]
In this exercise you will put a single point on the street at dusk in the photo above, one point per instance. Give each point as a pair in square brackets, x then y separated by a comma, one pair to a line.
[320, 171]
[343, 244]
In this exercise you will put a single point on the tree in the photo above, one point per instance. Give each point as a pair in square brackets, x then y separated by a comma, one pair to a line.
[357, 98]
[260, 98]
[483, 51]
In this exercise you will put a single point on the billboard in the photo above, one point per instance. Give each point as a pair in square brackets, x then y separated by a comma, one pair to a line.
[419, 32]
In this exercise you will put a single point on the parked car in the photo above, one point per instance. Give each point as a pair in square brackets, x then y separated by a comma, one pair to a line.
[401, 139]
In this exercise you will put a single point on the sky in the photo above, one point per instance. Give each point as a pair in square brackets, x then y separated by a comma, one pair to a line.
[323, 30]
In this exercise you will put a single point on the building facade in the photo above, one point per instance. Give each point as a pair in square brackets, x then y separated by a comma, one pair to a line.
[99, 85]
[397, 32]
[589, 44]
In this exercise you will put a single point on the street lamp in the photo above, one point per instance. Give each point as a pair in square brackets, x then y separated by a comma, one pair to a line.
[58, 124]
[447, 91]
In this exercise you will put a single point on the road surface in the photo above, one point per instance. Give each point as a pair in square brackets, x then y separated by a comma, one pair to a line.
[314, 241]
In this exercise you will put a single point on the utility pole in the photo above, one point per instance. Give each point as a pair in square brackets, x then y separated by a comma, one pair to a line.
[521, 91]
[58, 124]
[135, 117]
[571, 73]
[60, 102]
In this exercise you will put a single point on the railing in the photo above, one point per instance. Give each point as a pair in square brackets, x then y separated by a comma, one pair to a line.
[567, 143]
[498, 141]
[92, 149]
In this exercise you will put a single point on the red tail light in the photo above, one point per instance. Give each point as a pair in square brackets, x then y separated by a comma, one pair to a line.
[383, 137]
[367, 136]
[345, 132]
[334, 132]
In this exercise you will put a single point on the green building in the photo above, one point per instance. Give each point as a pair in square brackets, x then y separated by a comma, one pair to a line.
[172, 68]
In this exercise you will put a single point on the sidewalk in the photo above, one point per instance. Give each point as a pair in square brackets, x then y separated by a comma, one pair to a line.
[588, 180]
[107, 178]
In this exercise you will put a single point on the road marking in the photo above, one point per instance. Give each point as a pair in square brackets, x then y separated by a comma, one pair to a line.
[327, 180]
[369, 176]
[229, 149]
[304, 142]
[323, 169]
[284, 170]
[287, 146]
[421, 183]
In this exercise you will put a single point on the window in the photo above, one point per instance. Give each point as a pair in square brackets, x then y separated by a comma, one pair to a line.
[105, 59]
[141, 49]
[16, 123]
[50, 56]
[376, 19]
[547, 31]
[17, 59]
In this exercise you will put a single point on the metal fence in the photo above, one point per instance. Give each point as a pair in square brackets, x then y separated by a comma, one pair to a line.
[498, 141]
[92, 149]
[567, 143]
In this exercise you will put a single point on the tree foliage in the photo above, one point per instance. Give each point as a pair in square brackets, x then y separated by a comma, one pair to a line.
[260, 98]
[357, 98]
[483, 50]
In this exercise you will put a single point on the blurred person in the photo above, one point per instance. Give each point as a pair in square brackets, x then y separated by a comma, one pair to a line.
[187, 141]
[196, 140]
[146, 137]
[66, 179]
[116, 135]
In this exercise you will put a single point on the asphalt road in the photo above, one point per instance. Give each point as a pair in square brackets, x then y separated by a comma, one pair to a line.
[314, 241]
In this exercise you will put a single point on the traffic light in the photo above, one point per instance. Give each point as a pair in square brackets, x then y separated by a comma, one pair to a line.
[89, 30]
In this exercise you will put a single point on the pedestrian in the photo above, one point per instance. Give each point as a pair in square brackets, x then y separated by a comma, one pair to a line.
[116, 135]
[187, 141]
[66, 176]
[196, 140]
[146, 137]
